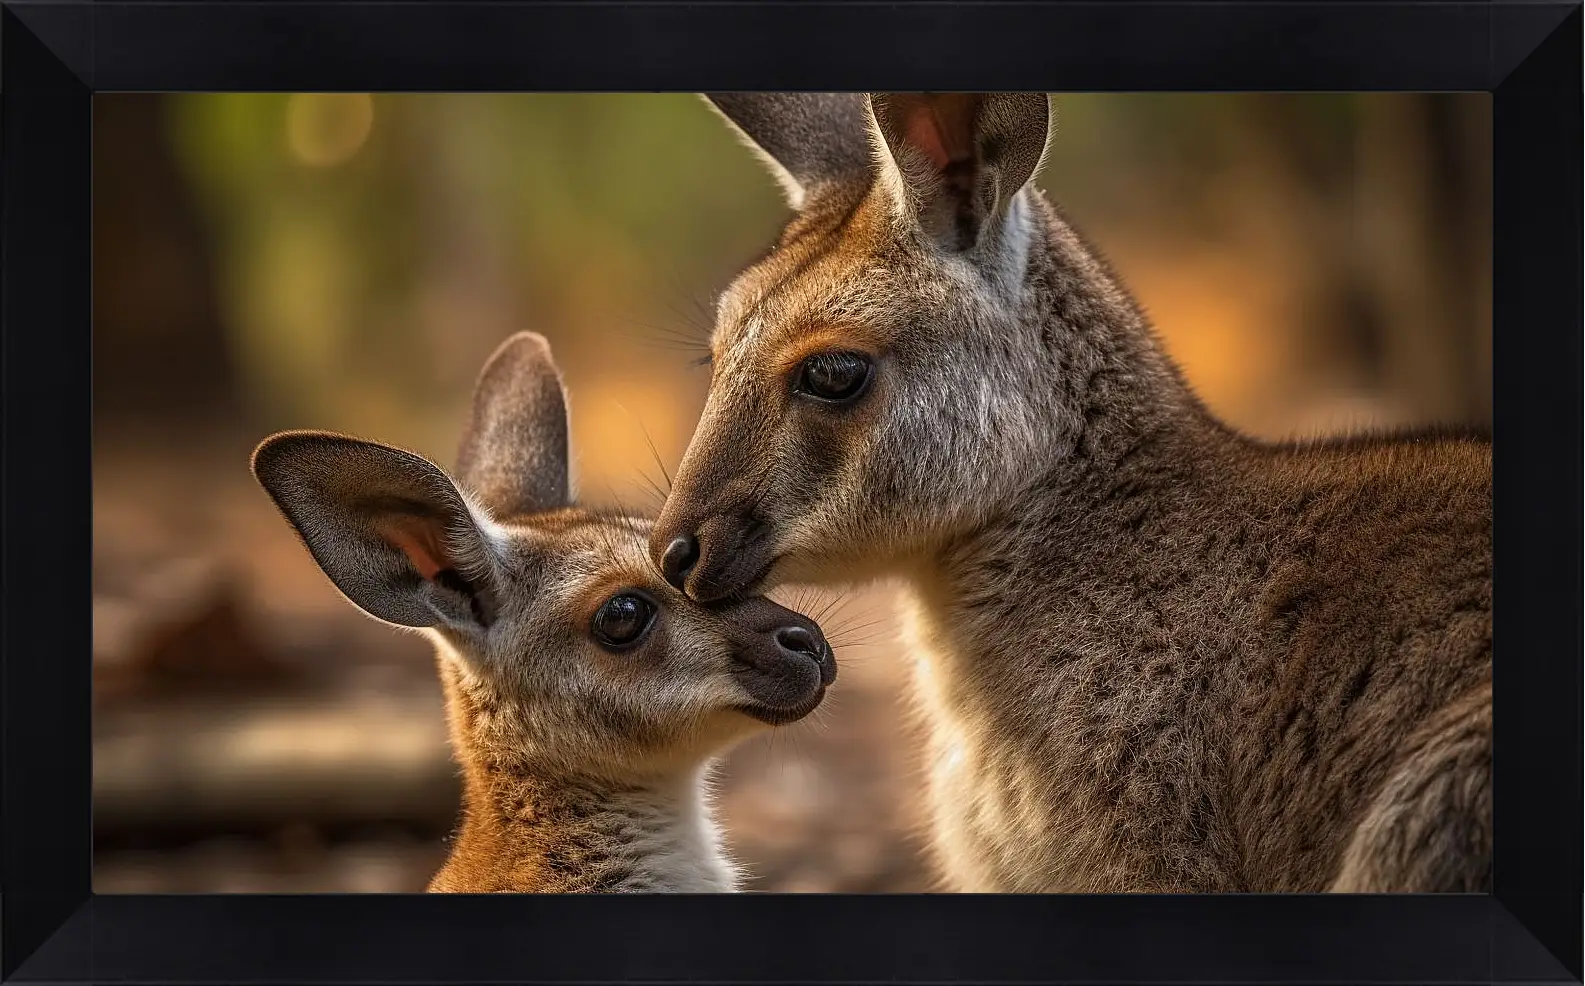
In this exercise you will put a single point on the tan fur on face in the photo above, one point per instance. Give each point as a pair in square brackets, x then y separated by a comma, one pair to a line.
[1153, 655]
[582, 768]
[584, 744]
[547, 697]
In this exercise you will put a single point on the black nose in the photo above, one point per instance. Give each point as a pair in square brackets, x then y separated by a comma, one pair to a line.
[802, 640]
[679, 559]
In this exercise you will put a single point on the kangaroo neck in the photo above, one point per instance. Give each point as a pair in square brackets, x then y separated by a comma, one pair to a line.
[526, 831]
[1119, 391]
[1123, 424]
[1113, 405]
[532, 823]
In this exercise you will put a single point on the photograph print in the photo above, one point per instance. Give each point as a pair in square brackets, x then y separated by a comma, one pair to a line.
[792, 492]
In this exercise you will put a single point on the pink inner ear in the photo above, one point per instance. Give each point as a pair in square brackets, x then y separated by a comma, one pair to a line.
[419, 542]
[922, 131]
[940, 126]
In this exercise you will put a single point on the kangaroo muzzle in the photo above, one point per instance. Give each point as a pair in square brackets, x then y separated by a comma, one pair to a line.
[719, 557]
[781, 661]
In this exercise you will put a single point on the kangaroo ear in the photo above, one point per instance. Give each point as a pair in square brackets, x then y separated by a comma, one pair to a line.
[387, 526]
[810, 140]
[514, 452]
[958, 159]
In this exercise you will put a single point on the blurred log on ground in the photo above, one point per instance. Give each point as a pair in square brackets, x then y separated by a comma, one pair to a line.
[331, 758]
[821, 806]
[812, 808]
[253, 732]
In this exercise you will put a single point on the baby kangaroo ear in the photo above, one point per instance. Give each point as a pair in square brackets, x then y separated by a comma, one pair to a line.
[809, 140]
[514, 452]
[958, 159]
[387, 526]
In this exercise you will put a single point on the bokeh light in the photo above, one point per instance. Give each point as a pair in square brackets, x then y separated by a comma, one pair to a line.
[324, 129]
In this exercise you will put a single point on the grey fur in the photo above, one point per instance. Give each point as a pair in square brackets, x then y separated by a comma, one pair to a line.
[339, 493]
[800, 135]
[513, 454]
[1153, 654]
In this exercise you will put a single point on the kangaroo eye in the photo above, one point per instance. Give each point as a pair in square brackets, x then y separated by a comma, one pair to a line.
[622, 621]
[834, 377]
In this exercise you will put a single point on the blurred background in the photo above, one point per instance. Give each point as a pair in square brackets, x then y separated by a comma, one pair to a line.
[1317, 263]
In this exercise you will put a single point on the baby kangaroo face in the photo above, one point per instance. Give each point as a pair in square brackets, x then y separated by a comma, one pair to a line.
[593, 656]
[873, 375]
[560, 643]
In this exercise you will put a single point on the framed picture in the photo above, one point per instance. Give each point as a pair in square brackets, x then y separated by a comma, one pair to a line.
[576, 459]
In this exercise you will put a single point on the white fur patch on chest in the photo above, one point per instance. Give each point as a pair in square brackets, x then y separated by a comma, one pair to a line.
[986, 805]
[682, 857]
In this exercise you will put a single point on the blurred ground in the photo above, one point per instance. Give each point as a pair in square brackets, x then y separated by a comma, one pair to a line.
[253, 734]
[1316, 263]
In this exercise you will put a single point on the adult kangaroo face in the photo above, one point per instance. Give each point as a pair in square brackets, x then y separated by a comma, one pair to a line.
[872, 376]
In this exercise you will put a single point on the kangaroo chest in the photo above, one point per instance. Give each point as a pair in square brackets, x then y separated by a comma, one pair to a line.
[1051, 775]
[590, 842]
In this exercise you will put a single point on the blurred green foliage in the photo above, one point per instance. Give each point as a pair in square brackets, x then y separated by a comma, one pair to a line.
[590, 208]
[369, 251]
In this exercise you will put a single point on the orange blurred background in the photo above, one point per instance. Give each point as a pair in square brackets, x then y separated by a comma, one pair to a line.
[1317, 263]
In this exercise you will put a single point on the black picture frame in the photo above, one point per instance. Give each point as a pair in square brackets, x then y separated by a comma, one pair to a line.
[55, 55]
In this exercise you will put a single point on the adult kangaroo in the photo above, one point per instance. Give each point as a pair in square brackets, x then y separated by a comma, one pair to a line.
[1154, 655]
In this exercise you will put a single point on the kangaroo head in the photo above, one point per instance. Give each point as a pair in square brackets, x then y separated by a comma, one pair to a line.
[559, 644]
[883, 372]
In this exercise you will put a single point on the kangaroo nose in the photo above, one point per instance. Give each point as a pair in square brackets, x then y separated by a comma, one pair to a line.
[802, 640]
[679, 559]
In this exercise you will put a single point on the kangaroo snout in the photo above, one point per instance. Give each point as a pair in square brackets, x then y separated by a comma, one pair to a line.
[779, 632]
[782, 661]
[714, 559]
[678, 558]
[801, 640]
[805, 642]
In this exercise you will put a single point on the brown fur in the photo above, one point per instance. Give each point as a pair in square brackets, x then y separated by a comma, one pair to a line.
[1154, 655]
[584, 759]
[527, 827]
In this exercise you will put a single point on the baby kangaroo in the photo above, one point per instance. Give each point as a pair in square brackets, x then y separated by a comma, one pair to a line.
[587, 698]
[1154, 655]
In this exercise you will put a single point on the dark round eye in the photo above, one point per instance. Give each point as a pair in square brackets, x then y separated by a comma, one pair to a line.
[622, 621]
[834, 377]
